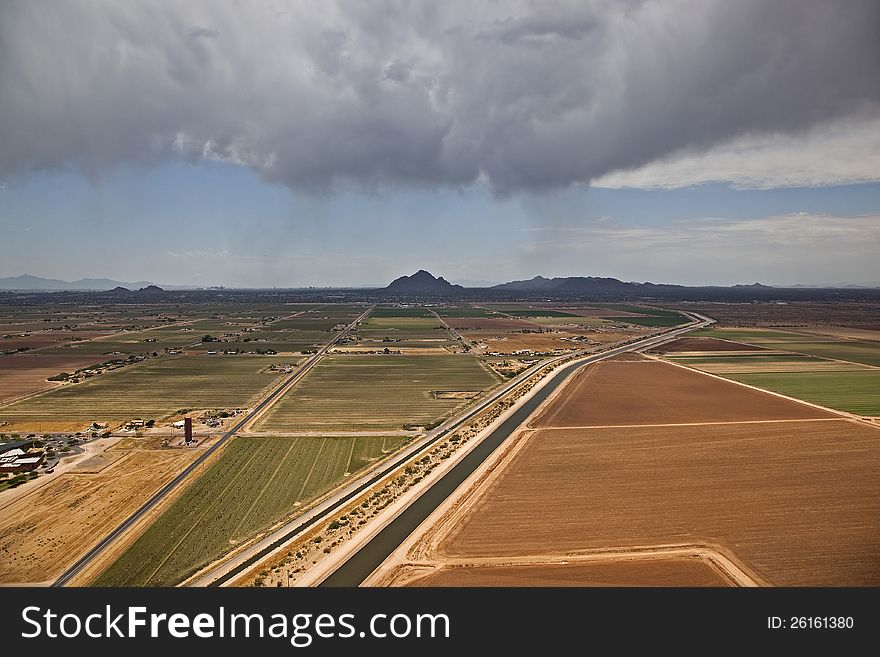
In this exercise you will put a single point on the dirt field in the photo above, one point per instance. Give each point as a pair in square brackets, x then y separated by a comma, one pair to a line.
[795, 502]
[645, 572]
[22, 374]
[618, 392]
[45, 531]
[703, 344]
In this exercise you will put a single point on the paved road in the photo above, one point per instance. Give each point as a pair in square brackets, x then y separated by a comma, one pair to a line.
[89, 556]
[363, 562]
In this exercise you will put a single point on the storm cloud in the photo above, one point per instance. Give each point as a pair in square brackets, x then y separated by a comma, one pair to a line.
[519, 95]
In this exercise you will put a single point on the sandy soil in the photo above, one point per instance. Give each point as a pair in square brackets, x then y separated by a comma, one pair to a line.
[46, 530]
[618, 392]
[642, 572]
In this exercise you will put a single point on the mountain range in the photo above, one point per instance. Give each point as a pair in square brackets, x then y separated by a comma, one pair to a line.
[29, 283]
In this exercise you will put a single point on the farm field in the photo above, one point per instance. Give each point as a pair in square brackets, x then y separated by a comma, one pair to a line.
[489, 323]
[150, 390]
[644, 391]
[581, 489]
[637, 456]
[850, 382]
[853, 391]
[637, 572]
[372, 392]
[23, 374]
[44, 531]
[703, 344]
[404, 332]
[255, 483]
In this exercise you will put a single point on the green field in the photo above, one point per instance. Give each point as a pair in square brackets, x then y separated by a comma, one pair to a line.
[344, 393]
[254, 484]
[854, 392]
[152, 390]
[856, 352]
[867, 353]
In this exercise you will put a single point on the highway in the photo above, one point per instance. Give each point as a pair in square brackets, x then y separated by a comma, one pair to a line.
[368, 557]
[225, 570]
[157, 497]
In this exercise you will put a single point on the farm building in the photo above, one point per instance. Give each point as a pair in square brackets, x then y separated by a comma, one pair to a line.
[23, 462]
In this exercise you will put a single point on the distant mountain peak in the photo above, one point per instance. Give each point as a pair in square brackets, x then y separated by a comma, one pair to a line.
[422, 282]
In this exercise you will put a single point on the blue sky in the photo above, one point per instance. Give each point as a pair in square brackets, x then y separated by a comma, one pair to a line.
[215, 223]
[214, 142]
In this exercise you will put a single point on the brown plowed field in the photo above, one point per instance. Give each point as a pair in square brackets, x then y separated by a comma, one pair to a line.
[643, 572]
[703, 344]
[488, 323]
[621, 392]
[22, 374]
[796, 503]
[43, 532]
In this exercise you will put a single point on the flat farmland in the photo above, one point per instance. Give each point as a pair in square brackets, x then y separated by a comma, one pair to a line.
[464, 312]
[635, 572]
[547, 342]
[405, 331]
[307, 323]
[844, 332]
[371, 392]
[724, 365]
[856, 352]
[43, 532]
[40, 339]
[153, 389]
[795, 503]
[632, 392]
[255, 483]
[489, 323]
[23, 374]
[703, 344]
[851, 391]
[417, 311]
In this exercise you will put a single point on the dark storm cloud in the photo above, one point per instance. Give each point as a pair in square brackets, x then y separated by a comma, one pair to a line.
[322, 95]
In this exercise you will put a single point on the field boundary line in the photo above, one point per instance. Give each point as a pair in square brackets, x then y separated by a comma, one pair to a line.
[713, 555]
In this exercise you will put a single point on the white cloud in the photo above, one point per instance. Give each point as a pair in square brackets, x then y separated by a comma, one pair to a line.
[845, 152]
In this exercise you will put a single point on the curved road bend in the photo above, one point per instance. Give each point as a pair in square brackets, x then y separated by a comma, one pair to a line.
[157, 497]
[363, 562]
